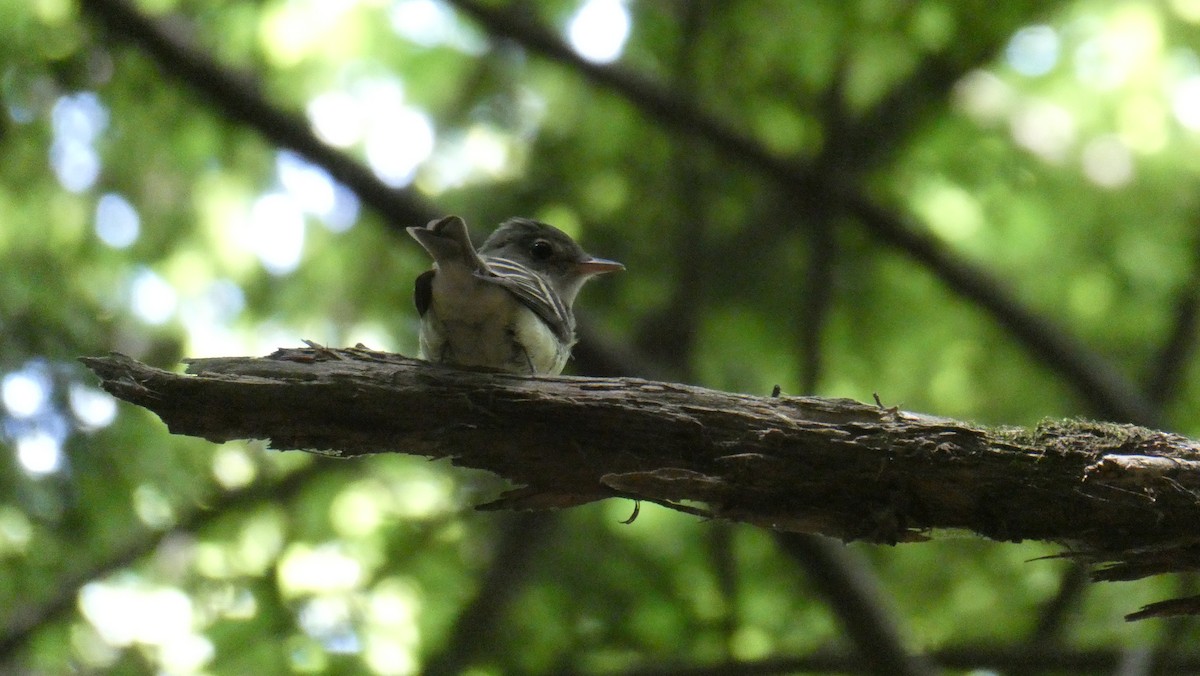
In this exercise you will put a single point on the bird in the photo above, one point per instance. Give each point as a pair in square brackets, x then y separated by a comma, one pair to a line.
[507, 306]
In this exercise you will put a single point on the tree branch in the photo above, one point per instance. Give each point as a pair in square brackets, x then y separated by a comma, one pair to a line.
[1119, 494]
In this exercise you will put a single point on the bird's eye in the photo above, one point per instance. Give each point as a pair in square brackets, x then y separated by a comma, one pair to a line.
[541, 250]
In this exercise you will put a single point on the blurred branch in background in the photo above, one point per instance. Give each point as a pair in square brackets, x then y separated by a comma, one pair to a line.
[26, 621]
[1169, 370]
[1054, 619]
[851, 590]
[239, 100]
[520, 542]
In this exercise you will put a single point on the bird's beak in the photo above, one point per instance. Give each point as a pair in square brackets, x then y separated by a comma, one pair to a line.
[598, 266]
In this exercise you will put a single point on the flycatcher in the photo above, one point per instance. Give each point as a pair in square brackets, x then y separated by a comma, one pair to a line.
[506, 306]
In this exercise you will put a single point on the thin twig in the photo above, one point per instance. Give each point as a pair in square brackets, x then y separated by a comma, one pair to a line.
[1168, 370]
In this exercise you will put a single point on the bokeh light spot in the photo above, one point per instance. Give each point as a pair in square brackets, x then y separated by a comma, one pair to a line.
[422, 21]
[1188, 10]
[80, 117]
[599, 29]
[117, 222]
[1046, 129]
[232, 467]
[152, 507]
[153, 300]
[77, 120]
[337, 118]
[952, 212]
[1185, 102]
[307, 569]
[306, 183]
[358, 509]
[129, 612]
[39, 452]
[76, 165]
[93, 408]
[1033, 50]
[328, 619]
[984, 97]
[259, 543]
[394, 151]
[276, 233]
[26, 392]
[315, 191]
[1107, 162]
[16, 531]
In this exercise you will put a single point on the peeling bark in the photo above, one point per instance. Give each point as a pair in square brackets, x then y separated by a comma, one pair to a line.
[1118, 494]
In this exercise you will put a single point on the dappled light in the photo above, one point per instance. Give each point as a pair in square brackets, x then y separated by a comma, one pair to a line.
[304, 569]
[129, 611]
[979, 211]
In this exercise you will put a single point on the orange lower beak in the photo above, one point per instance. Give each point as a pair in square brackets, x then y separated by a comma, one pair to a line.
[599, 266]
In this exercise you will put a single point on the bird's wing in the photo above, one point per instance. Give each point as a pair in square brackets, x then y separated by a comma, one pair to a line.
[423, 291]
[533, 291]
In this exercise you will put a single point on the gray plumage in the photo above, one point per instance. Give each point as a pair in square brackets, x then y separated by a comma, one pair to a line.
[507, 306]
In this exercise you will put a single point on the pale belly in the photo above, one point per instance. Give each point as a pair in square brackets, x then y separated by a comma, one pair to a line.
[473, 323]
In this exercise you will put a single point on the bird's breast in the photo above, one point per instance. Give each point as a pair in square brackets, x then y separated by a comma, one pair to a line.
[472, 322]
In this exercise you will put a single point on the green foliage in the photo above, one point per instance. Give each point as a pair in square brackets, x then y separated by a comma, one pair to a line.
[1052, 146]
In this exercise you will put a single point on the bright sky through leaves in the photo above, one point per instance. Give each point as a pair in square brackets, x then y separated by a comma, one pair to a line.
[152, 298]
[117, 221]
[39, 452]
[599, 29]
[25, 392]
[1033, 51]
[77, 121]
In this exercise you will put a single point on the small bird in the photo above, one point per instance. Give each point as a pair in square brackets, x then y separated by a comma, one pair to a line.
[506, 306]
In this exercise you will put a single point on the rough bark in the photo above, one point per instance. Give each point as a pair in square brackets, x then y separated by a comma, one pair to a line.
[1118, 494]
